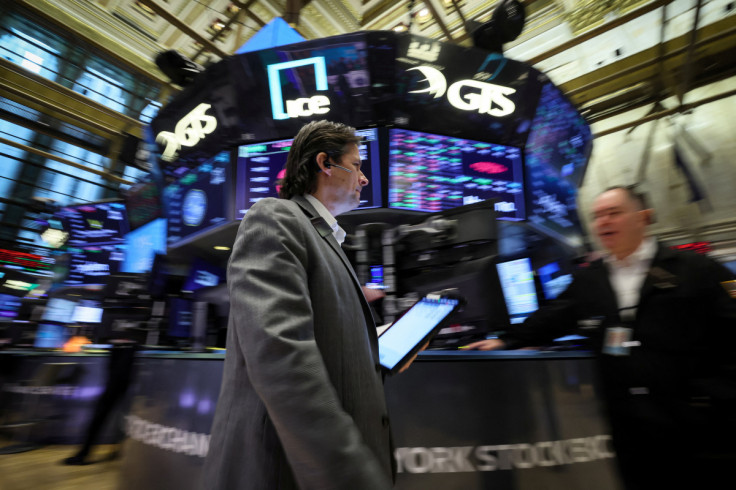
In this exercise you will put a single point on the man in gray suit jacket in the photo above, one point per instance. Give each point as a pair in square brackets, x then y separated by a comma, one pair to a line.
[302, 402]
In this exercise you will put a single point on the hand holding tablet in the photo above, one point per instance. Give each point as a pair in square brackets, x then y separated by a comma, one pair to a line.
[399, 343]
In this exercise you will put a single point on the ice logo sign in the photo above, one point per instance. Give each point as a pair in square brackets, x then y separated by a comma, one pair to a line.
[303, 106]
[189, 131]
[468, 95]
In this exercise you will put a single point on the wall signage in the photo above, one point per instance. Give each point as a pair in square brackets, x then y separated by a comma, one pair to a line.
[503, 456]
[303, 106]
[428, 52]
[468, 95]
[189, 131]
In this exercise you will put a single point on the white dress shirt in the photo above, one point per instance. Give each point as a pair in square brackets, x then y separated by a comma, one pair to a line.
[627, 276]
[337, 232]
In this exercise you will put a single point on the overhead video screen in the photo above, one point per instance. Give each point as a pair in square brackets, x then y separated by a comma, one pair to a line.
[94, 223]
[143, 203]
[92, 265]
[560, 138]
[142, 244]
[431, 173]
[198, 199]
[260, 167]
[556, 154]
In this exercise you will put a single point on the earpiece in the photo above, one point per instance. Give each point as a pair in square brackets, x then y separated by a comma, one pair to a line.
[328, 165]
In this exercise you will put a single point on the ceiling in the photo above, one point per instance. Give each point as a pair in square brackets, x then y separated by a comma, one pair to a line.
[608, 56]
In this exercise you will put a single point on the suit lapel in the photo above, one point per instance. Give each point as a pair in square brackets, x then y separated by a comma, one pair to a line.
[324, 230]
[603, 279]
[658, 277]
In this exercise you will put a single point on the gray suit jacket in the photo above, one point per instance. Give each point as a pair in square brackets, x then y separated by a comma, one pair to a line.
[302, 402]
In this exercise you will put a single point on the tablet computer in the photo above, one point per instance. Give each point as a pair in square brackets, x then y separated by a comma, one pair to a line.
[400, 341]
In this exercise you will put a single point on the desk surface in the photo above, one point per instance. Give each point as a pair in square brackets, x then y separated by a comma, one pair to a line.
[436, 355]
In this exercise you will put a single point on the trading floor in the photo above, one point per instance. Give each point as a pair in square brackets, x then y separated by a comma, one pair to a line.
[136, 135]
[42, 470]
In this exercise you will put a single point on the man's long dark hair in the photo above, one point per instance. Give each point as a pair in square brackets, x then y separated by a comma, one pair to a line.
[301, 164]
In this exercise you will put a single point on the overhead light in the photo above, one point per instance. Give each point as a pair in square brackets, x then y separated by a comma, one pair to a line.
[145, 8]
[400, 28]
[217, 25]
[423, 15]
[221, 247]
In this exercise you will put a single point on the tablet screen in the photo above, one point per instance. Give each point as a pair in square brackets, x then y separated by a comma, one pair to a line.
[400, 338]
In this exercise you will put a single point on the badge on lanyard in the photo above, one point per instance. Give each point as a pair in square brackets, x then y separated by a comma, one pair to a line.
[617, 341]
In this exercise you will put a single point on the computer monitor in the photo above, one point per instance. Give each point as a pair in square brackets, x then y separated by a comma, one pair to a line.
[87, 311]
[157, 277]
[431, 173]
[260, 167]
[9, 306]
[142, 244]
[519, 291]
[211, 310]
[58, 310]
[455, 249]
[50, 336]
[180, 318]
[203, 274]
[126, 285]
[477, 281]
[376, 278]
[553, 280]
[198, 199]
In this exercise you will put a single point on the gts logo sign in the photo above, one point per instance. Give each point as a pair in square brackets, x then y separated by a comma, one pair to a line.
[468, 95]
[303, 106]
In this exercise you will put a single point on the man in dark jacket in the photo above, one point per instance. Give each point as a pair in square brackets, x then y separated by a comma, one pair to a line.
[662, 324]
[302, 402]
